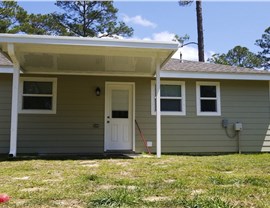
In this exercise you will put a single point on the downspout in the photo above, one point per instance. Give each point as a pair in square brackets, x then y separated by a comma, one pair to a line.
[14, 104]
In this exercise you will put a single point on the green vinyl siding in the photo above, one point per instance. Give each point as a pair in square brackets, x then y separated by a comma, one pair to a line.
[73, 128]
[5, 115]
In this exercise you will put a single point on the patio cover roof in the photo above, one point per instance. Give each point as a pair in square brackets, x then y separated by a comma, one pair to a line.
[89, 56]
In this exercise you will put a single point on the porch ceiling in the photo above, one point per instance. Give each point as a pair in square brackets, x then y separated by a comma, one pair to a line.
[89, 56]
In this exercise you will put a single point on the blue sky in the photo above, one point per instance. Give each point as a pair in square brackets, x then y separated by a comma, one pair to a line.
[226, 24]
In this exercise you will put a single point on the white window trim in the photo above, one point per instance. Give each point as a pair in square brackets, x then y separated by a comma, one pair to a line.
[183, 93]
[198, 99]
[54, 95]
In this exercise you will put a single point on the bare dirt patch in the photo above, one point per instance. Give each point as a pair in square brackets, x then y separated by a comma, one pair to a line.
[228, 172]
[131, 187]
[197, 192]
[53, 180]
[68, 203]
[156, 198]
[124, 164]
[90, 164]
[120, 163]
[169, 181]
[108, 187]
[34, 189]
[22, 178]
[148, 156]
[20, 202]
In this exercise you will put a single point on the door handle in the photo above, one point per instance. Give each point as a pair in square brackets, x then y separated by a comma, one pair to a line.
[108, 121]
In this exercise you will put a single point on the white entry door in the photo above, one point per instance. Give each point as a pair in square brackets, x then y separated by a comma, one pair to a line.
[119, 116]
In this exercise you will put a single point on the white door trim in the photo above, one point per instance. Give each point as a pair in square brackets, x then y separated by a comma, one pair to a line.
[132, 84]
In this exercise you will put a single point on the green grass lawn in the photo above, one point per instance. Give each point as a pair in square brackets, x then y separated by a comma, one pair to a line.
[172, 181]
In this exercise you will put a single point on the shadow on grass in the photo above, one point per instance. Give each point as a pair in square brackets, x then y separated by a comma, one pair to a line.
[105, 156]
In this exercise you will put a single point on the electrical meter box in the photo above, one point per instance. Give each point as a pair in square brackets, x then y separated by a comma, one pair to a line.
[238, 126]
[149, 144]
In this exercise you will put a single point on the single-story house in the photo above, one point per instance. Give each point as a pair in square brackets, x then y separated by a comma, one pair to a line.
[61, 95]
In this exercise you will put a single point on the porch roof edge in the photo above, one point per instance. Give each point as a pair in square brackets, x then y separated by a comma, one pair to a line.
[86, 41]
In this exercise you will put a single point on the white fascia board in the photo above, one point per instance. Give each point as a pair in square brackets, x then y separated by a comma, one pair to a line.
[229, 76]
[6, 69]
[122, 74]
[83, 41]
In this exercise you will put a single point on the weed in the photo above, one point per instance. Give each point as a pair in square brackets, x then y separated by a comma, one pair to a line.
[199, 202]
[256, 181]
[92, 177]
[114, 198]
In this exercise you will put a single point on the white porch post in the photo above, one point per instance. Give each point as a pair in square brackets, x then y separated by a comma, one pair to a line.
[158, 117]
[14, 112]
[14, 104]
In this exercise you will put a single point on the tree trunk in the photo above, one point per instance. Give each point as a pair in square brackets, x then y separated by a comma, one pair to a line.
[84, 18]
[200, 30]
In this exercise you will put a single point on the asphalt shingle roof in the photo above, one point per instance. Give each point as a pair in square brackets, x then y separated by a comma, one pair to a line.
[4, 61]
[202, 67]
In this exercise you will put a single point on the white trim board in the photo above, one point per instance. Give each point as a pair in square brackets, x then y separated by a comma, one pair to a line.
[211, 75]
[6, 70]
[182, 98]
[199, 98]
[122, 74]
[53, 95]
[102, 42]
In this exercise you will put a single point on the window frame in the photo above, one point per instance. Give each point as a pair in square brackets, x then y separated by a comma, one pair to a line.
[199, 98]
[53, 95]
[183, 98]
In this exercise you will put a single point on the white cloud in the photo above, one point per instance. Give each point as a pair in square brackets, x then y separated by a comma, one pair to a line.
[139, 20]
[188, 52]
[191, 53]
[163, 36]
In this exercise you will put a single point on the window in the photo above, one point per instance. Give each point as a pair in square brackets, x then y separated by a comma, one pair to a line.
[38, 95]
[208, 98]
[172, 98]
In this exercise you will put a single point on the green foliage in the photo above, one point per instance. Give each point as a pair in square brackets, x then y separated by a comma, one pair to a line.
[90, 18]
[181, 39]
[11, 16]
[78, 18]
[238, 56]
[264, 43]
[39, 24]
[185, 2]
